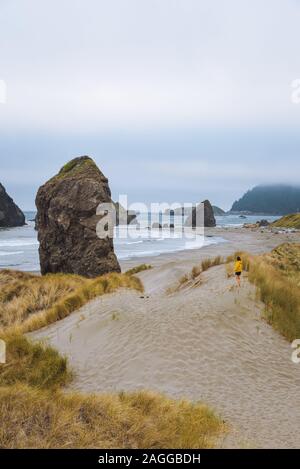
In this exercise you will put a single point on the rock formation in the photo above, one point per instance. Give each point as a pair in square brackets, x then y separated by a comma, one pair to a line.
[67, 220]
[258, 224]
[262, 223]
[196, 217]
[123, 216]
[10, 214]
[218, 212]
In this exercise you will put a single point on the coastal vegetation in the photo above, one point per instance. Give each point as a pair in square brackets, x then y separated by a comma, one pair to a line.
[35, 410]
[29, 302]
[76, 165]
[33, 364]
[138, 269]
[188, 279]
[288, 221]
[37, 418]
[211, 262]
[277, 278]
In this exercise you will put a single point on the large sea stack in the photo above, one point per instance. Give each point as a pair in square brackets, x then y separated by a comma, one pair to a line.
[195, 219]
[10, 214]
[67, 220]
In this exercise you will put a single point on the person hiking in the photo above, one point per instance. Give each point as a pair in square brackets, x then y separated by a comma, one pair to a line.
[238, 268]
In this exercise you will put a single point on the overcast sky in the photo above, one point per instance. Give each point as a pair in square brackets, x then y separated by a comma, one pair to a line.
[176, 100]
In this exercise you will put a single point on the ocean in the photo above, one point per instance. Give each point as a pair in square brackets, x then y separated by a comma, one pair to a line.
[19, 246]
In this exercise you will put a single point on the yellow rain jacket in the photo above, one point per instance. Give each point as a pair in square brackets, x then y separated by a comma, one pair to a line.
[238, 266]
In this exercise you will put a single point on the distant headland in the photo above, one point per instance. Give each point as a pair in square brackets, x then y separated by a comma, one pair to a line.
[274, 200]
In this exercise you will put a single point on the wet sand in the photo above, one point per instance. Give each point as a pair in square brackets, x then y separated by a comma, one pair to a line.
[205, 342]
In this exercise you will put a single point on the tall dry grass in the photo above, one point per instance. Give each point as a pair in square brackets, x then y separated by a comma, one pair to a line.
[288, 221]
[211, 262]
[31, 418]
[31, 363]
[276, 276]
[34, 410]
[29, 302]
[190, 277]
[138, 269]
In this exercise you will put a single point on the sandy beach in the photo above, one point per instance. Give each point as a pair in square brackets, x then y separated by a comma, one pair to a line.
[204, 342]
[169, 267]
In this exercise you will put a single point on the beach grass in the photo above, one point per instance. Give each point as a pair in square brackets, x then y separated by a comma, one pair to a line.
[34, 364]
[211, 262]
[277, 278]
[37, 412]
[29, 302]
[288, 221]
[196, 272]
[34, 418]
[138, 269]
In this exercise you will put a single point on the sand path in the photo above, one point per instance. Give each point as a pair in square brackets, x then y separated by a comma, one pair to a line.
[204, 343]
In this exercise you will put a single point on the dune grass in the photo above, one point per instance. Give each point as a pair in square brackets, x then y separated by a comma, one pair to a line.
[286, 259]
[138, 269]
[195, 273]
[198, 269]
[33, 364]
[211, 262]
[276, 276]
[288, 221]
[29, 302]
[34, 418]
[36, 412]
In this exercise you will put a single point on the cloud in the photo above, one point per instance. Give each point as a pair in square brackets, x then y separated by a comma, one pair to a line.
[194, 93]
[132, 65]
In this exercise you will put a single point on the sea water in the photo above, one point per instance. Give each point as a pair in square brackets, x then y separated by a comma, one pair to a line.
[19, 246]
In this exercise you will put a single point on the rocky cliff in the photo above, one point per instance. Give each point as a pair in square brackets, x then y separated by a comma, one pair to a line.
[10, 214]
[196, 217]
[67, 220]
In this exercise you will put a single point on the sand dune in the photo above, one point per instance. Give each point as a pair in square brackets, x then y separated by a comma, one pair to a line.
[206, 343]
